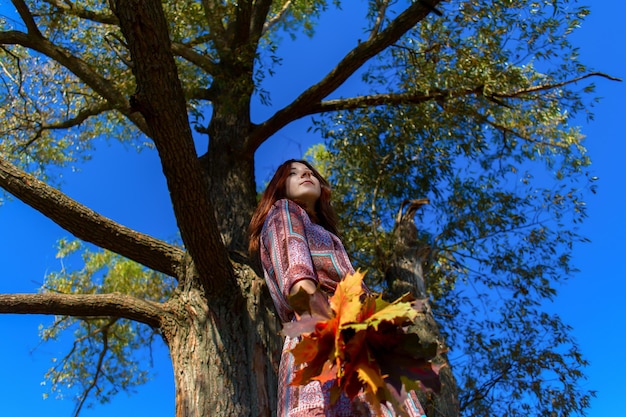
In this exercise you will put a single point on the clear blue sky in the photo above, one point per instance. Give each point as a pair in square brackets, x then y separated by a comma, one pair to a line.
[130, 190]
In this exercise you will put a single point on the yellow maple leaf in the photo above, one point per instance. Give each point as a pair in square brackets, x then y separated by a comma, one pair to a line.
[346, 301]
[364, 345]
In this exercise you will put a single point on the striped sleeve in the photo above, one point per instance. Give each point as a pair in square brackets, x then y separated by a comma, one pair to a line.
[288, 257]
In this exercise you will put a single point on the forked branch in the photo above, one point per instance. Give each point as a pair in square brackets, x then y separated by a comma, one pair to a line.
[355, 59]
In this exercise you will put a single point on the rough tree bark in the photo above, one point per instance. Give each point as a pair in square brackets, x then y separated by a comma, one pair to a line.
[218, 355]
[216, 333]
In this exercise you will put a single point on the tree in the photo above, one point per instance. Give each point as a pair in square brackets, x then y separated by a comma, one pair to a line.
[148, 73]
[505, 175]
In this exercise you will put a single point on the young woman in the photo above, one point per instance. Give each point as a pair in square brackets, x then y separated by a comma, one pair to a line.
[294, 231]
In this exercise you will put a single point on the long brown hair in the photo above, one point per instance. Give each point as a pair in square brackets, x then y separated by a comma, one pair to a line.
[324, 213]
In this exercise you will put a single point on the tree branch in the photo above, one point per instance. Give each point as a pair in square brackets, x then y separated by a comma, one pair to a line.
[200, 60]
[84, 305]
[214, 11]
[385, 99]
[68, 123]
[436, 95]
[481, 392]
[72, 9]
[78, 67]
[382, 9]
[545, 87]
[354, 60]
[161, 100]
[270, 23]
[240, 27]
[259, 20]
[27, 17]
[80, 117]
[88, 225]
[99, 371]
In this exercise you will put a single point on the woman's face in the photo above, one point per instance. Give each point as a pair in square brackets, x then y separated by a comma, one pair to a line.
[303, 186]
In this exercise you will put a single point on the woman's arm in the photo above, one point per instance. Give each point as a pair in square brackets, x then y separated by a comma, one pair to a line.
[288, 252]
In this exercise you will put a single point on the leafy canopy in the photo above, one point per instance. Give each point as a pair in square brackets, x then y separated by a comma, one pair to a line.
[104, 357]
[483, 129]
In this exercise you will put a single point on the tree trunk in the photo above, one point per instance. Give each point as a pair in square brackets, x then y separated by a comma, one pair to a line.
[233, 193]
[242, 346]
[219, 351]
[229, 166]
[263, 339]
[406, 274]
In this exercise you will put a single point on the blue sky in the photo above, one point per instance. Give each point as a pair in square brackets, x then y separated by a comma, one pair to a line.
[130, 189]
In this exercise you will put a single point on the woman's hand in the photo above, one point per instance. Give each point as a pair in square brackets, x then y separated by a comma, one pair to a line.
[306, 284]
[305, 297]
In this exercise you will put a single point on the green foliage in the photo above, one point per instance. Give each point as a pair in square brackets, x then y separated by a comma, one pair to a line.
[50, 116]
[104, 355]
[492, 148]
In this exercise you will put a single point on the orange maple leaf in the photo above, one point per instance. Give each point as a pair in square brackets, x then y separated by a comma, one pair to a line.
[363, 344]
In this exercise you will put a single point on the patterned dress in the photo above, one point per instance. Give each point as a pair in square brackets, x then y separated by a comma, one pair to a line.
[293, 248]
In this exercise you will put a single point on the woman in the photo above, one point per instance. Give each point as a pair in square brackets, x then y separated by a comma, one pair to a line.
[294, 231]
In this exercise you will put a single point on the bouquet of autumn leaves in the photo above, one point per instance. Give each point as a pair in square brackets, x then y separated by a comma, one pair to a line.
[362, 344]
